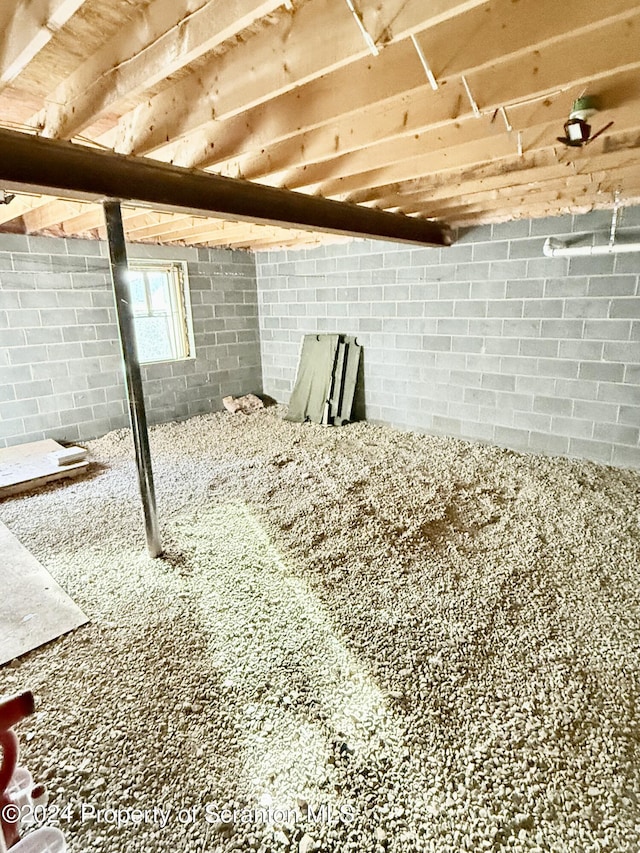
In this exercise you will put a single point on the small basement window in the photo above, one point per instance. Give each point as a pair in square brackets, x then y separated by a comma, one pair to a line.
[161, 310]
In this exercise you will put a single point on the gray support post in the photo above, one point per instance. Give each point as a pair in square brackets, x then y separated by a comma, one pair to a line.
[133, 377]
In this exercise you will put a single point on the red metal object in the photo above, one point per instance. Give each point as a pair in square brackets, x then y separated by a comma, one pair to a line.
[15, 708]
[12, 710]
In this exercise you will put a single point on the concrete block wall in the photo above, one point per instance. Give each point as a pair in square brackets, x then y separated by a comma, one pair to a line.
[487, 339]
[60, 364]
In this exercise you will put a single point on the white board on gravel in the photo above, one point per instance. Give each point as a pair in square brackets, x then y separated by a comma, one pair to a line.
[34, 609]
[27, 466]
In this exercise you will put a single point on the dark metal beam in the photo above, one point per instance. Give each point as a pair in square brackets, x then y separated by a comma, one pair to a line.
[133, 377]
[35, 164]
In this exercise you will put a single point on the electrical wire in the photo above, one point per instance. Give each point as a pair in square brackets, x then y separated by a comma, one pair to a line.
[365, 34]
[423, 59]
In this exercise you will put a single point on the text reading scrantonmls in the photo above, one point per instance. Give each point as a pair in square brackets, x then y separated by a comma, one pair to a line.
[162, 815]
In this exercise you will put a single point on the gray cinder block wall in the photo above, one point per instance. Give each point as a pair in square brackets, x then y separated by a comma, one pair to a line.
[485, 340]
[60, 364]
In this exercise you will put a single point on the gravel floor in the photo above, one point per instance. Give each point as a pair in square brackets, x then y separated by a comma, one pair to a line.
[359, 640]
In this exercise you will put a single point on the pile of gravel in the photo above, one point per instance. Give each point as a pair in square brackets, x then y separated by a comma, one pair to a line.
[357, 640]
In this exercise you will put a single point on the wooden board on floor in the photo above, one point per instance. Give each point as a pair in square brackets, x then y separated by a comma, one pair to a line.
[34, 609]
[26, 466]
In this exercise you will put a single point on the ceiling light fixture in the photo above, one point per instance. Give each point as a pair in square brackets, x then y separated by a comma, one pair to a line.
[577, 130]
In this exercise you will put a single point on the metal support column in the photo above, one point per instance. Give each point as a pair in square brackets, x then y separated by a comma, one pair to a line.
[133, 377]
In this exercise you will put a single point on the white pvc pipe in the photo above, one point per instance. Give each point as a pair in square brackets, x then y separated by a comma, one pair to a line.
[556, 249]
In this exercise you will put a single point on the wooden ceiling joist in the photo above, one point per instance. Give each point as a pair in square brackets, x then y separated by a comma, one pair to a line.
[548, 203]
[163, 38]
[177, 227]
[90, 219]
[496, 189]
[44, 217]
[463, 143]
[255, 237]
[290, 95]
[255, 72]
[18, 207]
[561, 207]
[407, 104]
[513, 88]
[144, 225]
[508, 171]
[583, 188]
[212, 234]
[502, 151]
[400, 118]
[26, 28]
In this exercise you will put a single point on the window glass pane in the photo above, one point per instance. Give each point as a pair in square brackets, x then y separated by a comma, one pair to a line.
[137, 290]
[161, 309]
[154, 338]
[159, 289]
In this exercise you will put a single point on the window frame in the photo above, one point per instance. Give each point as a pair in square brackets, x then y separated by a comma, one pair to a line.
[181, 315]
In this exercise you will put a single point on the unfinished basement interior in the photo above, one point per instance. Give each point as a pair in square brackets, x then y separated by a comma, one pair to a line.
[319, 426]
